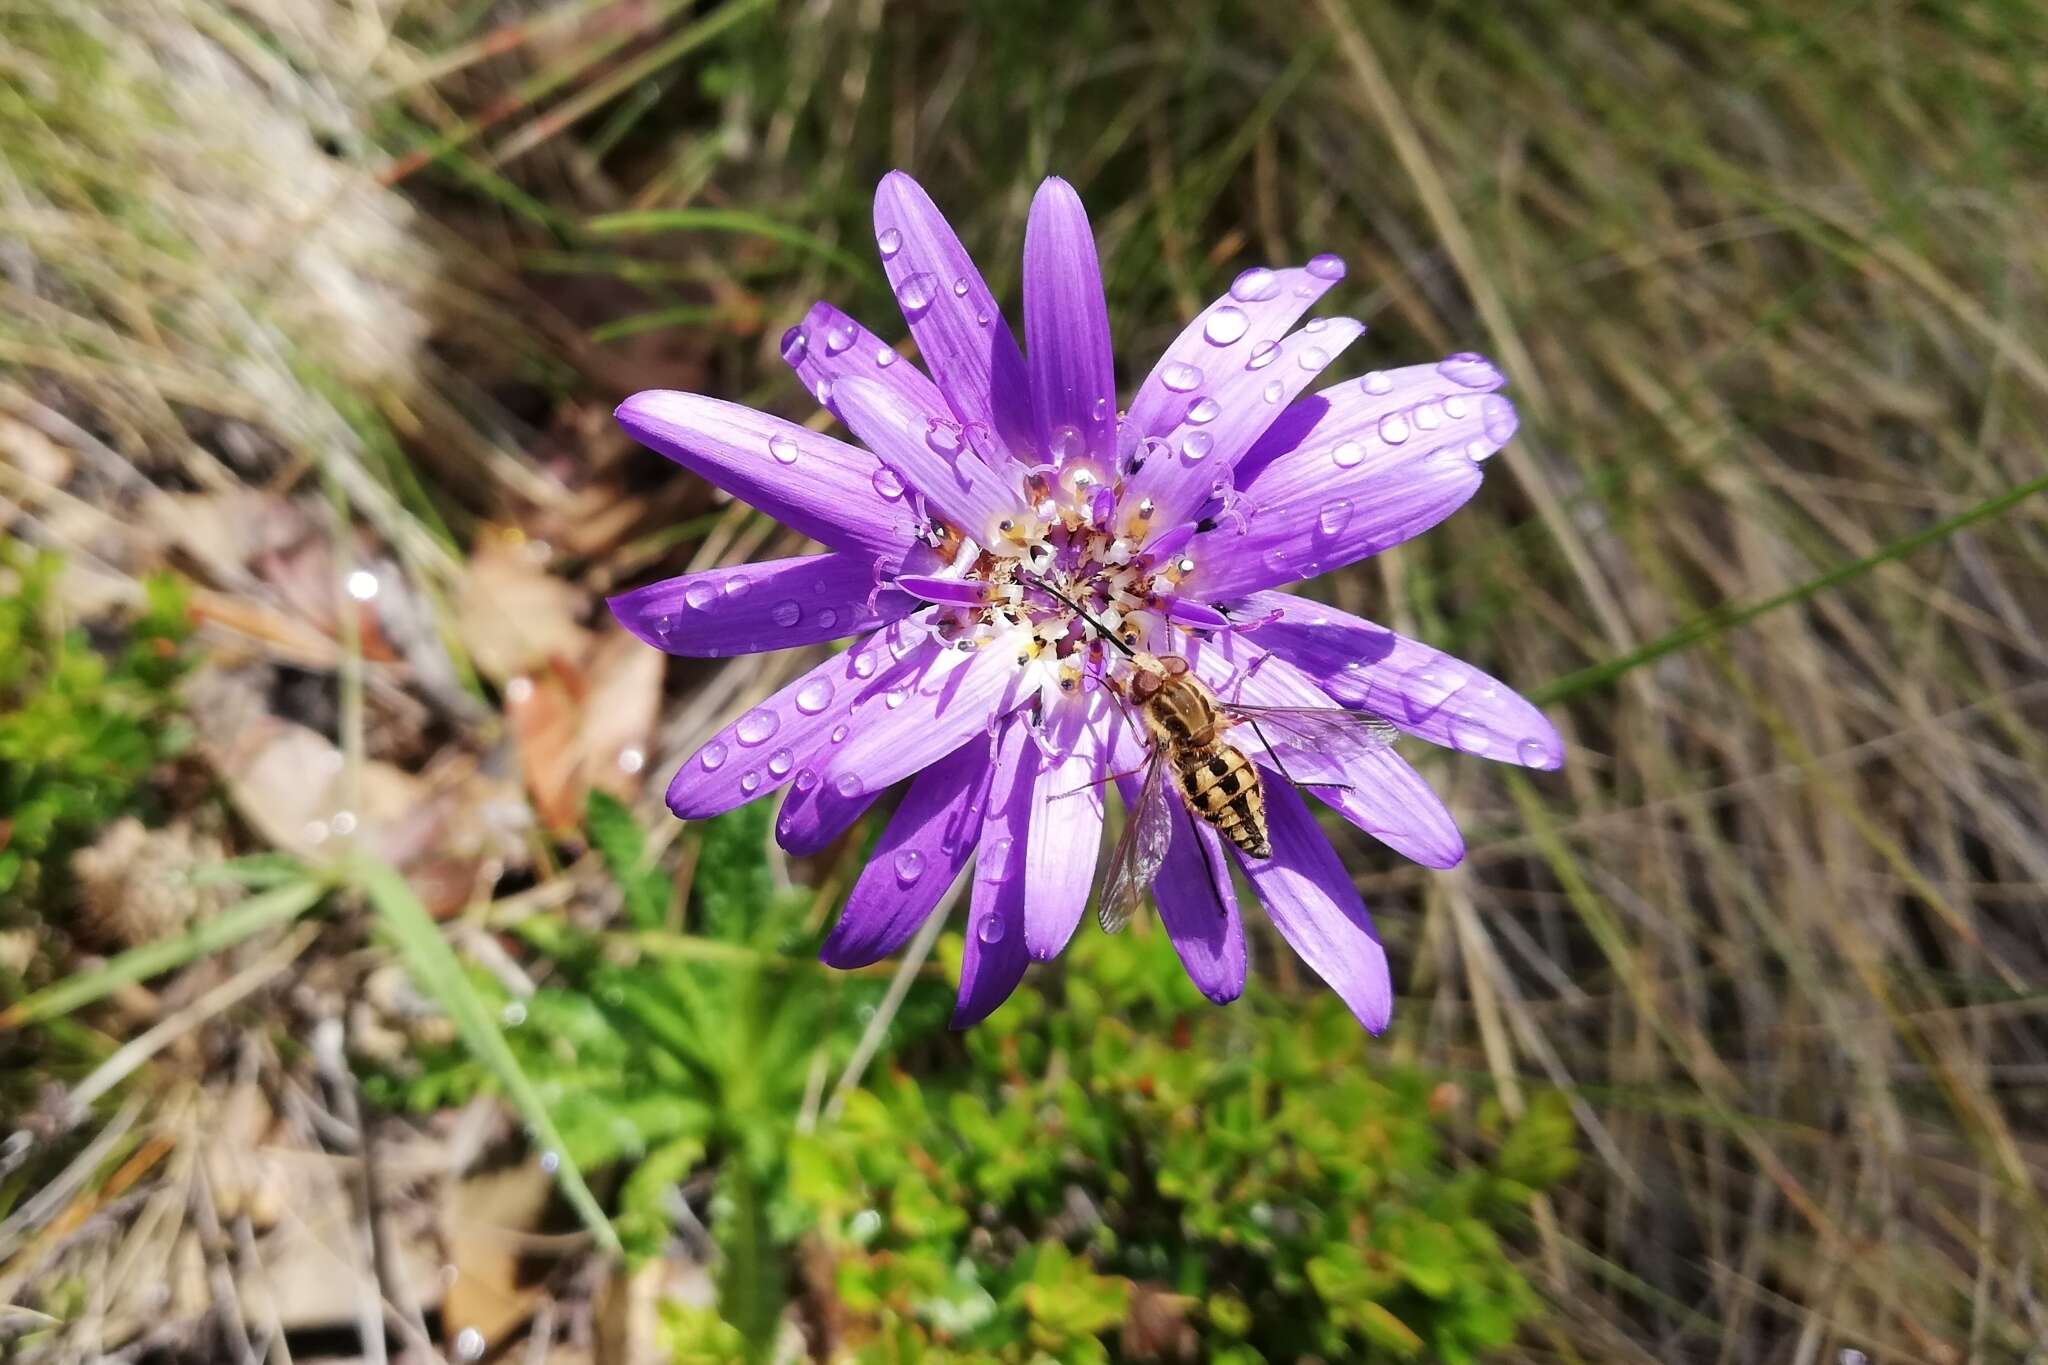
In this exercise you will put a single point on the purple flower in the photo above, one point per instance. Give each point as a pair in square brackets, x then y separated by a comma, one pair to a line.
[1002, 517]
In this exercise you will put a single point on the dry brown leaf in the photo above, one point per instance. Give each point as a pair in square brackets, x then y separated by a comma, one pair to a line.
[585, 727]
[514, 617]
[485, 1220]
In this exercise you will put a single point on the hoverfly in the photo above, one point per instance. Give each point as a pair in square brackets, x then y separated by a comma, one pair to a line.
[1188, 726]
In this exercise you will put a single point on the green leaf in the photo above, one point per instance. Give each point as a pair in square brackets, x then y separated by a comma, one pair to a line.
[622, 844]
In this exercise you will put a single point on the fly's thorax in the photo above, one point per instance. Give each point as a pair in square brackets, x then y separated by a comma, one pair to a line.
[1184, 712]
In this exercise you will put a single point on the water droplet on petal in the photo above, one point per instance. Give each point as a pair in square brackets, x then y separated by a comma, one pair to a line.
[1326, 267]
[1497, 418]
[1066, 442]
[995, 862]
[700, 594]
[960, 287]
[1196, 445]
[1263, 354]
[1255, 285]
[895, 696]
[942, 435]
[848, 785]
[712, 758]
[909, 865]
[823, 390]
[891, 242]
[1274, 391]
[838, 338]
[1226, 325]
[1313, 358]
[1347, 454]
[805, 780]
[1203, 410]
[1533, 752]
[814, 696]
[1456, 407]
[750, 781]
[991, 929]
[794, 343]
[1472, 370]
[1099, 409]
[1393, 428]
[787, 612]
[1379, 381]
[1181, 377]
[864, 663]
[917, 291]
[885, 356]
[1335, 516]
[1480, 451]
[1315, 324]
[780, 762]
[885, 481]
[1427, 417]
[840, 732]
[756, 726]
[784, 448]
[827, 618]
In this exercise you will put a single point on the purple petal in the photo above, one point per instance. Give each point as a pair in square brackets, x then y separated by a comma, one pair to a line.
[1377, 790]
[811, 483]
[1066, 330]
[1236, 331]
[1066, 825]
[1353, 470]
[1226, 413]
[828, 347]
[930, 455]
[779, 604]
[995, 957]
[1426, 692]
[940, 700]
[952, 592]
[773, 742]
[959, 330]
[1310, 899]
[1197, 903]
[922, 849]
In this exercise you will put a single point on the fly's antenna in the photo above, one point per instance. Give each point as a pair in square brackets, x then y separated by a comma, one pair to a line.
[1104, 631]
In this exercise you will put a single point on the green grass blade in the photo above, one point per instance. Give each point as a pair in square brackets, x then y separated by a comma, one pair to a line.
[1730, 615]
[258, 912]
[437, 971]
[734, 220]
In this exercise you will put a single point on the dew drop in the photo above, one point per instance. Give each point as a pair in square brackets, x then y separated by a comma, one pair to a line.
[784, 448]
[1471, 370]
[1456, 407]
[840, 731]
[864, 663]
[1379, 381]
[734, 586]
[1274, 391]
[982, 318]
[827, 618]
[1181, 377]
[1534, 753]
[794, 343]
[1393, 428]
[787, 612]
[838, 338]
[750, 781]
[917, 291]
[712, 758]
[1263, 354]
[1255, 285]
[1226, 325]
[1196, 445]
[814, 696]
[780, 762]
[1479, 451]
[941, 435]
[991, 930]
[1497, 418]
[1335, 516]
[513, 1015]
[1203, 410]
[823, 390]
[960, 288]
[1326, 267]
[805, 780]
[1066, 442]
[1427, 417]
[700, 594]
[885, 356]
[1347, 454]
[995, 860]
[891, 242]
[1313, 358]
[848, 785]
[470, 1343]
[1315, 324]
[1098, 410]
[756, 726]
[894, 697]
[909, 865]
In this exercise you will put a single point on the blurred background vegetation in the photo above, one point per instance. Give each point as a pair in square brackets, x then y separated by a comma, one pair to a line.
[358, 1000]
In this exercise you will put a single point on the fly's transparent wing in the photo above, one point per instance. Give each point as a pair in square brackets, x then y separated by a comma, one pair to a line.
[1327, 730]
[1148, 829]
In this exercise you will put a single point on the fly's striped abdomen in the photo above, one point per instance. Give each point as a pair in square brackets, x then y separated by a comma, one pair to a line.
[1222, 787]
